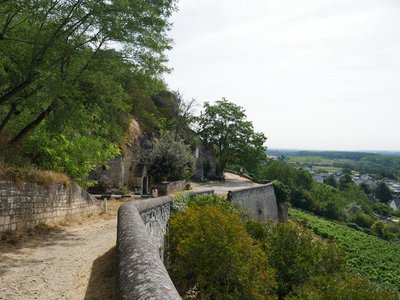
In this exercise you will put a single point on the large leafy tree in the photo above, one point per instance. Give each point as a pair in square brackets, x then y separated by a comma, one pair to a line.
[225, 126]
[71, 72]
[47, 48]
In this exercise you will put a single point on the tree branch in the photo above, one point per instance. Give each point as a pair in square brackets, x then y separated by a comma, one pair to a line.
[31, 126]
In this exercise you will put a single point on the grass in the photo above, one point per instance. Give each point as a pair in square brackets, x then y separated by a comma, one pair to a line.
[329, 168]
[31, 174]
[316, 160]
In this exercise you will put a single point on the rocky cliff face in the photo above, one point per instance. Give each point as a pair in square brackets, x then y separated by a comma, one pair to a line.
[127, 170]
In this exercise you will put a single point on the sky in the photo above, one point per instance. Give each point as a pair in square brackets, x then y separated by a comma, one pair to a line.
[311, 74]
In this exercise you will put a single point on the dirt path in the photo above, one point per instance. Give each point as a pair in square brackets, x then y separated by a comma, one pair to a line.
[76, 262]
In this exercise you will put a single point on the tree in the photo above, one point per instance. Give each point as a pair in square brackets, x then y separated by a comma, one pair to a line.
[170, 158]
[47, 49]
[382, 192]
[330, 180]
[345, 181]
[224, 126]
[287, 174]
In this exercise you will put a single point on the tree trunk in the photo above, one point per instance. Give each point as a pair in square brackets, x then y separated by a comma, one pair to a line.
[8, 117]
[31, 126]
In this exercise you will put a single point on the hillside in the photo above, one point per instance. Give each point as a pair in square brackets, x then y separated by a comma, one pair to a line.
[377, 259]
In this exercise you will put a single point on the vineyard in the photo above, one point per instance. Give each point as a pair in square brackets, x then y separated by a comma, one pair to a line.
[377, 259]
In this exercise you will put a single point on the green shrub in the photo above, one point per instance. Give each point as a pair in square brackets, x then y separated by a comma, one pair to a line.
[298, 255]
[282, 191]
[347, 286]
[211, 252]
[363, 220]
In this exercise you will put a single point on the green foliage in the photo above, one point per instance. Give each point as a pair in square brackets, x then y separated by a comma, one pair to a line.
[382, 192]
[211, 251]
[287, 174]
[380, 165]
[375, 258]
[170, 158]
[224, 125]
[63, 90]
[181, 200]
[387, 231]
[282, 192]
[366, 163]
[365, 187]
[363, 220]
[75, 157]
[345, 181]
[330, 180]
[381, 209]
[344, 286]
[297, 255]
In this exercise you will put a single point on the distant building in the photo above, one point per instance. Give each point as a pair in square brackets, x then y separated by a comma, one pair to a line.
[395, 204]
[319, 177]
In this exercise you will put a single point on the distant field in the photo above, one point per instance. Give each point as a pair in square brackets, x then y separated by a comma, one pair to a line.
[316, 160]
[329, 168]
[377, 259]
[310, 160]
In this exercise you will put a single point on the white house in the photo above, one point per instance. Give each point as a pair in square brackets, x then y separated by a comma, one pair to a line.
[395, 204]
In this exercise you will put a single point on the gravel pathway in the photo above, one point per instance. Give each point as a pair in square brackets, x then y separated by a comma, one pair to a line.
[56, 265]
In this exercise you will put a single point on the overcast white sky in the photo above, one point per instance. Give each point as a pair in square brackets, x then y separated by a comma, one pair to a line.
[311, 74]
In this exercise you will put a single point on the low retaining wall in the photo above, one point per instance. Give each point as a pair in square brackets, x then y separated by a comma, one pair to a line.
[260, 201]
[171, 187]
[28, 204]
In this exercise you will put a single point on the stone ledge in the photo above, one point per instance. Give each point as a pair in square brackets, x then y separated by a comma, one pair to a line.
[141, 273]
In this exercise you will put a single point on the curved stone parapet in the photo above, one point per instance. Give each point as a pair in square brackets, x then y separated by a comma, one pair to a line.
[141, 273]
[259, 201]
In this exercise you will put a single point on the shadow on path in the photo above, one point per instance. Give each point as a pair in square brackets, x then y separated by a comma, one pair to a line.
[102, 281]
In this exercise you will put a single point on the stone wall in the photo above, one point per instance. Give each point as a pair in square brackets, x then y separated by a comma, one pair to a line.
[28, 204]
[259, 201]
[141, 273]
[171, 187]
[142, 226]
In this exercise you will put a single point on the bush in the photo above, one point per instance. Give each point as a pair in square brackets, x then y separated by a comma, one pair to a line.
[211, 252]
[282, 191]
[363, 220]
[297, 254]
[347, 286]
[381, 209]
[170, 158]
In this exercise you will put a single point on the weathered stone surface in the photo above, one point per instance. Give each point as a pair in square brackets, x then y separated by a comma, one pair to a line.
[28, 204]
[140, 270]
[283, 210]
[171, 187]
[259, 201]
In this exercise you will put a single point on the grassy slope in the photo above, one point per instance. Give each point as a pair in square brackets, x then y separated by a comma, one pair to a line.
[378, 259]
